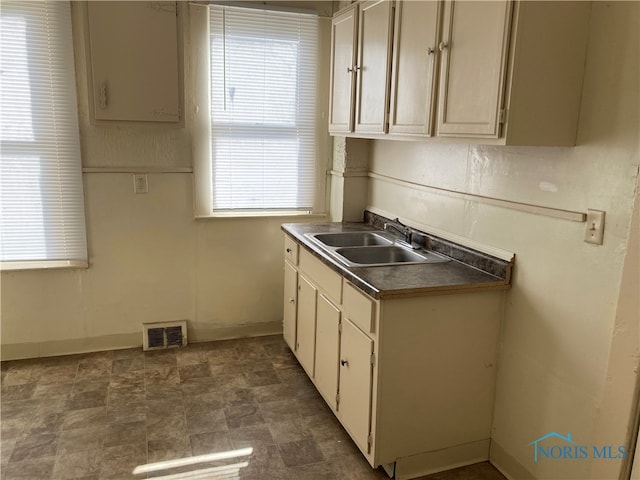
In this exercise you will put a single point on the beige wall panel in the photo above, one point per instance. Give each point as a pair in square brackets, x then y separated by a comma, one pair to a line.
[141, 252]
[239, 278]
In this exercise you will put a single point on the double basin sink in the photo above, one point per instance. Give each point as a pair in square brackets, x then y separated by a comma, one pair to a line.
[372, 248]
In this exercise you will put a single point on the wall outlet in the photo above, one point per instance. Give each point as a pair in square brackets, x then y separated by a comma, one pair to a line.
[140, 184]
[595, 227]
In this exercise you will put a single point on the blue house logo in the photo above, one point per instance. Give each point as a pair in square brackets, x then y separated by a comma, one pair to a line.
[537, 447]
[564, 448]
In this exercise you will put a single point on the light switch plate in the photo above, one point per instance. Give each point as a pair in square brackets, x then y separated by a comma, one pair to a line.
[595, 227]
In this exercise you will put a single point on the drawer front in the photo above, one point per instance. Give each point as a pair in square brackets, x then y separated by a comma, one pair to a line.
[290, 250]
[325, 278]
[358, 308]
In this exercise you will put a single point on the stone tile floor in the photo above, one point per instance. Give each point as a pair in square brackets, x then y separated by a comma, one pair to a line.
[100, 415]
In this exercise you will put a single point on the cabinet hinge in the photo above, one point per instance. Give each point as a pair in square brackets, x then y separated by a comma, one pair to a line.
[337, 398]
[386, 121]
[340, 327]
[369, 440]
[373, 358]
[502, 115]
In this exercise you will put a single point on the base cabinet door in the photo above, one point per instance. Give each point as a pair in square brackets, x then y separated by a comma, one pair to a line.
[306, 331]
[290, 305]
[327, 349]
[356, 377]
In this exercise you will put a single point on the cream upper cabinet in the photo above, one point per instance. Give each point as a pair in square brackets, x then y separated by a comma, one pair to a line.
[374, 62]
[344, 29]
[133, 61]
[360, 66]
[496, 72]
[473, 49]
[414, 67]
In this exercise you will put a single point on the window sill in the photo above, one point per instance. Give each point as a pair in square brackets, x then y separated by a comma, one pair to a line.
[42, 265]
[261, 214]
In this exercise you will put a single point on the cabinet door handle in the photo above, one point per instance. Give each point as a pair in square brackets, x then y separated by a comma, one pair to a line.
[104, 101]
[443, 45]
[344, 363]
[430, 51]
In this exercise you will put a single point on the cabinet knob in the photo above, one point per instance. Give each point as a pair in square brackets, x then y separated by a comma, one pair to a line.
[355, 68]
[443, 45]
[291, 300]
[344, 363]
[430, 51]
[288, 250]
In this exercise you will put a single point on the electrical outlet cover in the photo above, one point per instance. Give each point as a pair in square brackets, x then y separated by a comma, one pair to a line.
[140, 184]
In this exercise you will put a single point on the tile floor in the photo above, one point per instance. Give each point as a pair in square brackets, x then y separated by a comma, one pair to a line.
[101, 415]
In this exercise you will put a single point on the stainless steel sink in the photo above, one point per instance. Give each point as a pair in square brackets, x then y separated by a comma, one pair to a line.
[387, 255]
[371, 249]
[351, 239]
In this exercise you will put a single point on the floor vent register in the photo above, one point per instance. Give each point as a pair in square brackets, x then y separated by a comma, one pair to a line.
[161, 335]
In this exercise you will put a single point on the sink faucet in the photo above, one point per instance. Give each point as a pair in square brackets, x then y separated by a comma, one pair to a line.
[403, 230]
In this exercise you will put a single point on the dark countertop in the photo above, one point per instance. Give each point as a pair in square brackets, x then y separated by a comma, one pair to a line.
[412, 280]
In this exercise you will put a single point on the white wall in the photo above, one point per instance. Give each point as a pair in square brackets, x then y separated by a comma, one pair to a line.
[149, 259]
[557, 370]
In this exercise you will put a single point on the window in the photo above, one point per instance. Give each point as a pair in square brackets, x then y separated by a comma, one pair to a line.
[41, 199]
[263, 94]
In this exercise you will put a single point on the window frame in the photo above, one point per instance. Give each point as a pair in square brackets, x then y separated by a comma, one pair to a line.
[49, 145]
[201, 120]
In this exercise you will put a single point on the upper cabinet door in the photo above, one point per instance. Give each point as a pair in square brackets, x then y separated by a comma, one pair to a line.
[134, 63]
[375, 26]
[413, 68]
[343, 55]
[474, 48]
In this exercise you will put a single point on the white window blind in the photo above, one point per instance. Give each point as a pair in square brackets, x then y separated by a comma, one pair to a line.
[41, 197]
[263, 109]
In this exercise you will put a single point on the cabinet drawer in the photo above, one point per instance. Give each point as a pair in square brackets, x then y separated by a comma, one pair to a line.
[325, 278]
[358, 308]
[290, 250]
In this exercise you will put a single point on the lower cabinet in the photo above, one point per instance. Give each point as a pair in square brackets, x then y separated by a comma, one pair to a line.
[411, 379]
[328, 318]
[306, 327]
[290, 304]
[356, 376]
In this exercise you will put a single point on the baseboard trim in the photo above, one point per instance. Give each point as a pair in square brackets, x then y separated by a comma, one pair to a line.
[198, 333]
[440, 460]
[54, 348]
[506, 464]
[207, 333]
